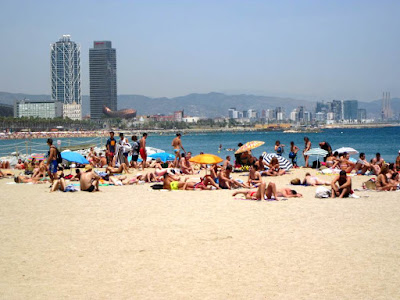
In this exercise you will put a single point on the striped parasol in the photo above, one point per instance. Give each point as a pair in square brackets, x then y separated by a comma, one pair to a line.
[249, 145]
[283, 162]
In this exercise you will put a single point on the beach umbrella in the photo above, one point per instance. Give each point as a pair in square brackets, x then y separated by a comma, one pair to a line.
[283, 162]
[248, 146]
[37, 156]
[316, 152]
[74, 157]
[206, 159]
[349, 150]
[164, 156]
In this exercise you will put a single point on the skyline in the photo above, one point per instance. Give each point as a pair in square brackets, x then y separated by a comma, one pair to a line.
[308, 50]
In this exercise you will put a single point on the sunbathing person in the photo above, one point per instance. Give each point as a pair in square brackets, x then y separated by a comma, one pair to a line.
[310, 181]
[274, 168]
[120, 169]
[89, 180]
[172, 183]
[4, 164]
[341, 185]
[382, 183]
[225, 182]
[263, 192]
[40, 171]
[58, 184]
[77, 176]
[332, 161]
[288, 193]
[184, 166]
[27, 179]
[378, 160]
[5, 174]
[20, 165]
[345, 164]
[261, 166]
[254, 176]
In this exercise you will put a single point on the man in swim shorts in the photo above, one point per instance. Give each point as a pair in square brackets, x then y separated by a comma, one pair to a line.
[52, 160]
[89, 180]
[177, 145]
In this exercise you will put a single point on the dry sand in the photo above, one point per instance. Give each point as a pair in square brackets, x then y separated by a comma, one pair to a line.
[132, 242]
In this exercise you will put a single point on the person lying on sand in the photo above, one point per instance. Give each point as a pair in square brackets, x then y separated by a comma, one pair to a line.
[5, 173]
[309, 181]
[261, 193]
[120, 169]
[26, 179]
[172, 183]
[89, 180]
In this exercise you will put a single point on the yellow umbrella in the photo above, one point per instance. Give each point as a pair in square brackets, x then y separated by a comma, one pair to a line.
[206, 159]
[248, 146]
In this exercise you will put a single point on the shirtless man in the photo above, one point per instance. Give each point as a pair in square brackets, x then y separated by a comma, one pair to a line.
[261, 166]
[307, 146]
[188, 164]
[227, 162]
[143, 151]
[378, 161]
[254, 176]
[172, 183]
[363, 166]
[227, 183]
[89, 180]
[52, 160]
[262, 192]
[341, 185]
[183, 165]
[177, 145]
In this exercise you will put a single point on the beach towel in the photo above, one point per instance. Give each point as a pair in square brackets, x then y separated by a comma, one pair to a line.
[322, 192]
[71, 188]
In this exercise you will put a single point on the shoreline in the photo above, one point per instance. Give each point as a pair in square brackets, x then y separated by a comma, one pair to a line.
[104, 133]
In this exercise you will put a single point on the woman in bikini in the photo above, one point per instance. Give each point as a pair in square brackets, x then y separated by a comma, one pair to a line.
[382, 182]
[345, 164]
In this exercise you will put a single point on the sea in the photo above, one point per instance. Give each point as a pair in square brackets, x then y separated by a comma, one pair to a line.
[385, 140]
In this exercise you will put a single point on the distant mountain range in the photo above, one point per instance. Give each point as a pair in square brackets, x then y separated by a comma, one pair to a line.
[203, 105]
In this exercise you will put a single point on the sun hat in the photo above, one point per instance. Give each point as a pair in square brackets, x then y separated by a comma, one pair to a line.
[88, 167]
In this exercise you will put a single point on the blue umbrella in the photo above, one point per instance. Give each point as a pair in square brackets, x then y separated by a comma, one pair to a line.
[74, 157]
[164, 156]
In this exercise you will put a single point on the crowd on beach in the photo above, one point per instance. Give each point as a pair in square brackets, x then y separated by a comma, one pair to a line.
[122, 156]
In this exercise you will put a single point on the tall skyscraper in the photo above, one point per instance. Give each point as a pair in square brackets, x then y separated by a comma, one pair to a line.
[103, 78]
[66, 76]
[350, 110]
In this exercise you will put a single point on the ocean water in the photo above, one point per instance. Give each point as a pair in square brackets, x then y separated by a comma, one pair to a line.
[368, 140]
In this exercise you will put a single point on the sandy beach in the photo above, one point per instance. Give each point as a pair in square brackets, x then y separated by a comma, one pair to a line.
[133, 242]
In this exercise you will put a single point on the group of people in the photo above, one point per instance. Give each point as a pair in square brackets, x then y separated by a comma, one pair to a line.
[172, 175]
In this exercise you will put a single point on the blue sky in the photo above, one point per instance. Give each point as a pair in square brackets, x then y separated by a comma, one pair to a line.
[316, 50]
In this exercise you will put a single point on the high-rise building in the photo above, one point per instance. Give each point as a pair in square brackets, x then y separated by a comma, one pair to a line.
[65, 67]
[350, 110]
[103, 78]
[336, 108]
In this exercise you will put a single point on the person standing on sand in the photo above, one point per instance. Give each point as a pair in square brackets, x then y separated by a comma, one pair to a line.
[293, 154]
[111, 143]
[307, 146]
[52, 160]
[143, 151]
[89, 180]
[177, 145]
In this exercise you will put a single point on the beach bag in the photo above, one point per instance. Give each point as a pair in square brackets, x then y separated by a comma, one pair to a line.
[58, 156]
[322, 192]
[292, 155]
